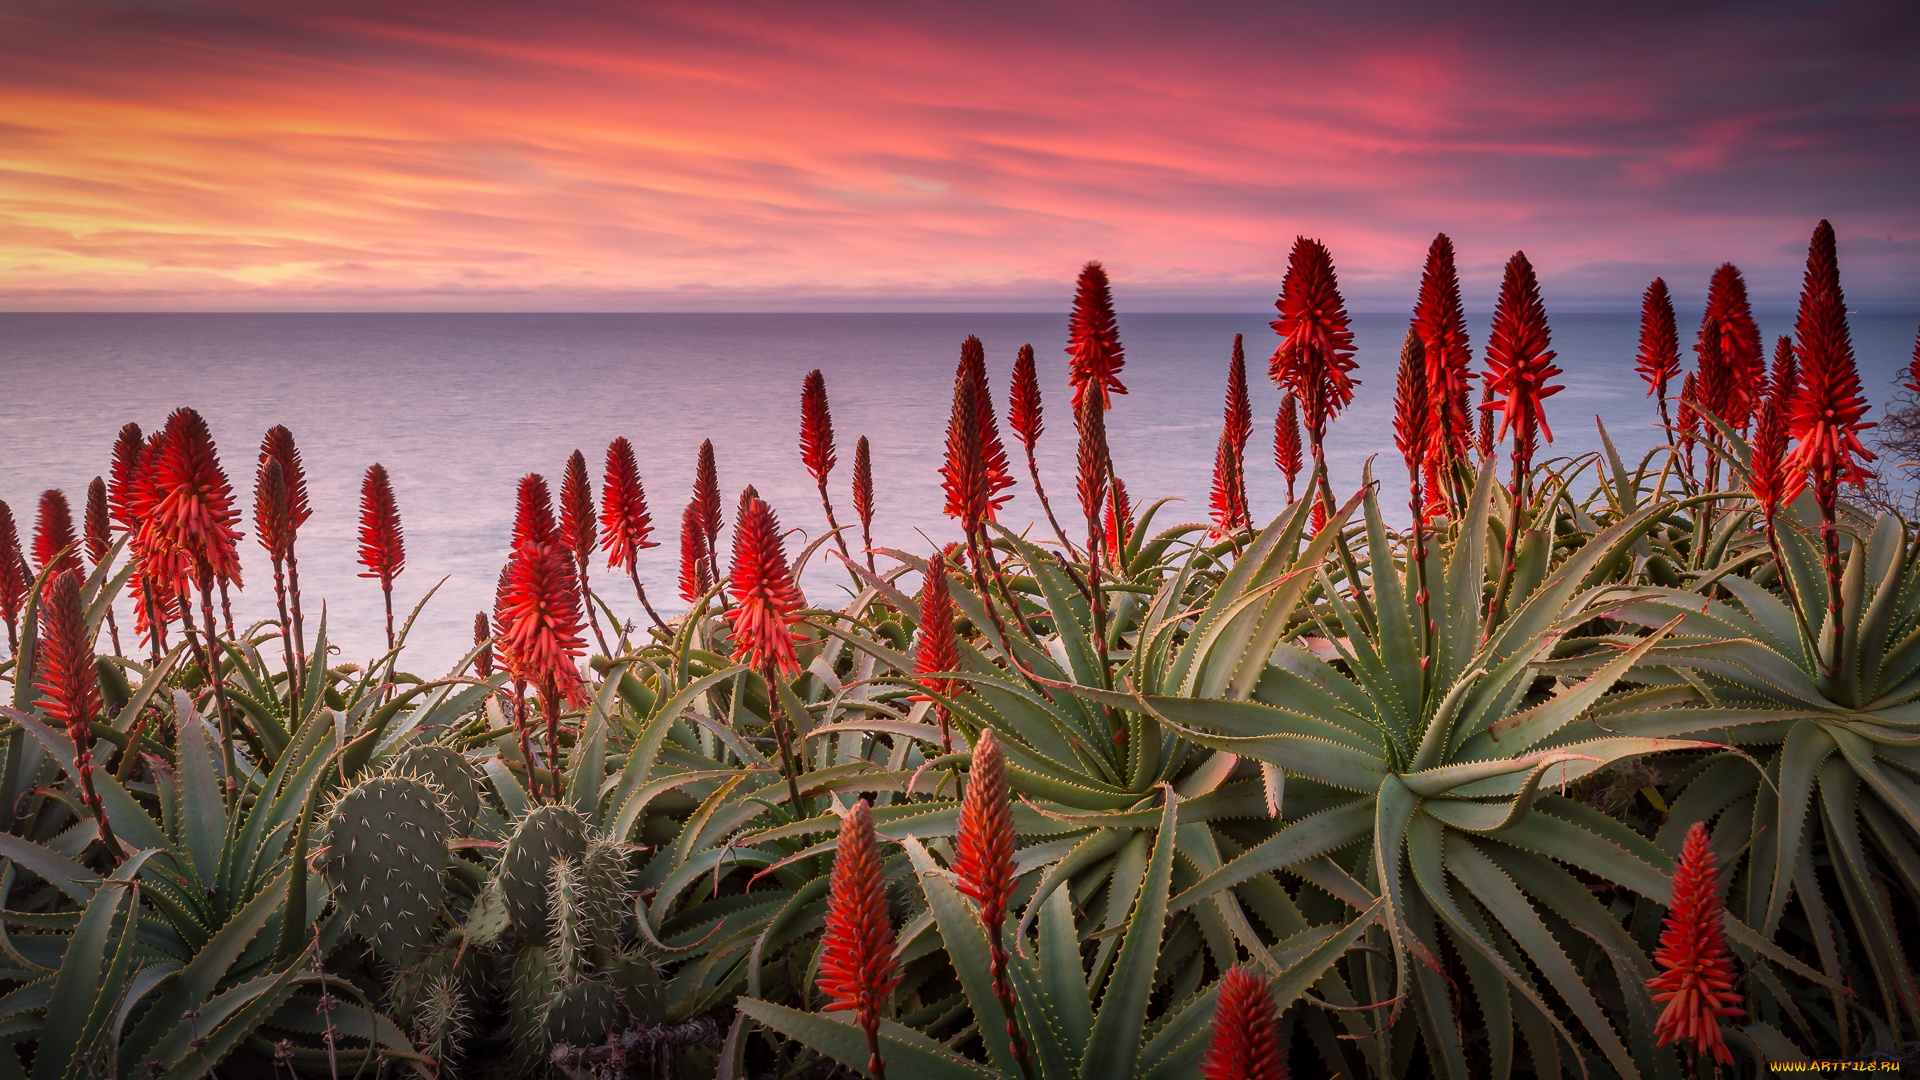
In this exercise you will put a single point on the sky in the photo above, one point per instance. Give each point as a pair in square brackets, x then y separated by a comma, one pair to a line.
[587, 155]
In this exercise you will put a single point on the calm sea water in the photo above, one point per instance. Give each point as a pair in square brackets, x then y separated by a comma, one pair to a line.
[459, 407]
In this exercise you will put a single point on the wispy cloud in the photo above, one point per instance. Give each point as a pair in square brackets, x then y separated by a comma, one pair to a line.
[587, 155]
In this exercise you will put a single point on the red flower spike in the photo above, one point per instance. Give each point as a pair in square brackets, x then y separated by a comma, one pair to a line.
[483, 639]
[1740, 351]
[1769, 457]
[1093, 339]
[816, 427]
[856, 949]
[1237, 423]
[1784, 381]
[53, 534]
[863, 483]
[1713, 390]
[1410, 413]
[272, 509]
[1828, 409]
[625, 523]
[382, 547]
[936, 649]
[1659, 358]
[99, 522]
[578, 518]
[973, 368]
[1441, 320]
[1316, 344]
[983, 847]
[278, 445]
[1024, 415]
[1119, 520]
[767, 602]
[963, 475]
[1696, 972]
[1689, 417]
[706, 495]
[1286, 440]
[123, 475]
[1519, 362]
[533, 523]
[1223, 500]
[67, 678]
[15, 579]
[1245, 1040]
[539, 621]
[187, 517]
[1319, 518]
[694, 581]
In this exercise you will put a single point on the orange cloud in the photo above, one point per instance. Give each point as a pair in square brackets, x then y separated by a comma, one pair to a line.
[580, 155]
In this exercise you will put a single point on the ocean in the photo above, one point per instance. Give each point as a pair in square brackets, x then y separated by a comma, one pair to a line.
[459, 406]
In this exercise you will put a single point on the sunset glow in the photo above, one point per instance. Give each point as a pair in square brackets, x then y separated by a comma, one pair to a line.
[581, 155]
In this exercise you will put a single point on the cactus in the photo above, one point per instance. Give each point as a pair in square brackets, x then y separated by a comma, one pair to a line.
[546, 834]
[386, 861]
[584, 1013]
[529, 993]
[448, 770]
[487, 918]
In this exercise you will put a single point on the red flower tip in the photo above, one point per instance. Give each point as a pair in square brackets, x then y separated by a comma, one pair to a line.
[1518, 360]
[963, 475]
[1237, 423]
[856, 950]
[185, 507]
[767, 602]
[816, 428]
[123, 476]
[1696, 972]
[533, 523]
[15, 579]
[1093, 339]
[625, 523]
[1729, 313]
[1659, 358]
[1441, 320]
[1245, 1040]
[1714, 392]
[694, 581]
[1410, 411]
[66, 673]
[1119, 520]
[936, 649]
[993, 455]
[99, 523]
[382, 548]
[706, 494]
[538, 620]
[278, 445]
[1769, 457]
[1024, 415]
[863, 482]
[1286, 440]
[1828, 409]
[983, 847]
[53, 539]
[272, 509]
[483, 638]
[577, 515]
[1316, 344]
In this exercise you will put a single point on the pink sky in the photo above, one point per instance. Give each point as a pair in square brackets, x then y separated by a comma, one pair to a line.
[578, 155]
